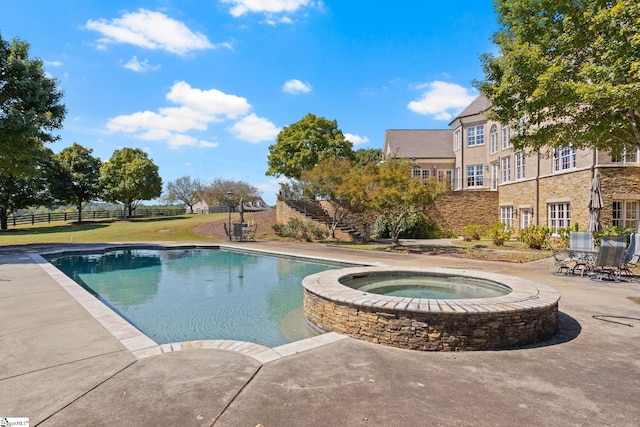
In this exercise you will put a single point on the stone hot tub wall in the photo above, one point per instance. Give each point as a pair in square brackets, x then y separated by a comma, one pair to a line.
[516, 319]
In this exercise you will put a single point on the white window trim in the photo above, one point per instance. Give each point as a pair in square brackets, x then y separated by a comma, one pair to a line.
[493, 139]
[520, 165]
[475, 136]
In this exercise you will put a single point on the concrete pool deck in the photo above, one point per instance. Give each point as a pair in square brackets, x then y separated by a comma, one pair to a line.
[61, 366]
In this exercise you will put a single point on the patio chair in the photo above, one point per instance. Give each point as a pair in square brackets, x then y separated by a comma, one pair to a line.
[632, 255]
[563, 262]
[610, 258]
[581, 250]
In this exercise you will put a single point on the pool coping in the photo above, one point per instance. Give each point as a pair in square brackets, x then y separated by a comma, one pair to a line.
[139, 344]
[525, 294]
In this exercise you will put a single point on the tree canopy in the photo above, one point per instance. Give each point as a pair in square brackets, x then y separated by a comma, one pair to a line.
[302, 145]
[217, 191]
[30, 109]
[568, 72]
[389, 190]
[129, 177]
[78, 181]
[327, 181]
[184, 190]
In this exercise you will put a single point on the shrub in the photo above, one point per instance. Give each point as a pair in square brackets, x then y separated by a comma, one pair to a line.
[499, 232]
[418, 227]
[472, 232]
[298, 229]
[536, 236]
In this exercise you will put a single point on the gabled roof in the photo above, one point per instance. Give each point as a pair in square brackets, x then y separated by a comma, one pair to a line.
[477, 106]
[420, 143]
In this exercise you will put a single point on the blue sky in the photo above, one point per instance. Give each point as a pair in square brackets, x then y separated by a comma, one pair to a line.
[205, 86]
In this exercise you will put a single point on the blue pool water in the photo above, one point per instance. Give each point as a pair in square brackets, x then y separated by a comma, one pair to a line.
[178, 295]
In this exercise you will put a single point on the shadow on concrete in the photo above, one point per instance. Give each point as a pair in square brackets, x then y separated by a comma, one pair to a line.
[569, 329]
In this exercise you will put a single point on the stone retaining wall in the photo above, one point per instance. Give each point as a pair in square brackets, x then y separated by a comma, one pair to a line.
[456, 209]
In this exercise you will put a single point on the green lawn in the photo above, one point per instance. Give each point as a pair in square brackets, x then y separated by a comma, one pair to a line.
[175, 228]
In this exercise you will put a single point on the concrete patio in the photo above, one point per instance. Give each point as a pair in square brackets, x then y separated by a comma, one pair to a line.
[59, 366]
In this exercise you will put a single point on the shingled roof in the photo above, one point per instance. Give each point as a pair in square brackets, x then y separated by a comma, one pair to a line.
[420, 143]
[477, 106]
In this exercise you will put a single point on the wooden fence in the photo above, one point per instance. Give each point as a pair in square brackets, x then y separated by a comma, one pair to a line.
[90, 215]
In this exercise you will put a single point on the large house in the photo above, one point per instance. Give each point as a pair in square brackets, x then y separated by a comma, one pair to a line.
[549, 187]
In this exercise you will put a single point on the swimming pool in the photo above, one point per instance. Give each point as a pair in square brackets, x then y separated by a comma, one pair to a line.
[186, 294]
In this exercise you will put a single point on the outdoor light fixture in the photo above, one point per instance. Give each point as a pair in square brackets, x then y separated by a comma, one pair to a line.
[229, 194]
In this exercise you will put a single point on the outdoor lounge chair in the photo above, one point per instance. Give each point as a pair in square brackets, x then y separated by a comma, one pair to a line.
[610, 258]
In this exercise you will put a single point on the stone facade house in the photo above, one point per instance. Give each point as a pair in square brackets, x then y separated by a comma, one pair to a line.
[547, 187]
[430, 151]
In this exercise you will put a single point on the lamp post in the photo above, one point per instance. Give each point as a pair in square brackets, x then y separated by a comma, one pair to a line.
[229, 194]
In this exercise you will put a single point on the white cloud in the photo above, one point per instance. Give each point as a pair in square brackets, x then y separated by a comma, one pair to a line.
[140, 67]
[296, 86]
[254, 129]
[53, 63]
[356, 139]
[196, 109]
[242, 7]
[441, 99]
[151, 30]
[210, 101]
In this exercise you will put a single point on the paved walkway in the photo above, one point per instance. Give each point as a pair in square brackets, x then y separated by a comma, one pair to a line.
[60, 366]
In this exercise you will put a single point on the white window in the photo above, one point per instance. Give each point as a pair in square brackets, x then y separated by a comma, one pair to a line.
[525, 218]
[419, 172]
[506, 136]
[506, 215]
[450, 178]
[475, 136]
[625, 214]
[458, 178]
[505, 167]
[474, 176]
[522, 125]
[493, 176]
[628, 156]
[519, 158]
[456, 140]
[493, 139]
[564, 158]
[559, 216]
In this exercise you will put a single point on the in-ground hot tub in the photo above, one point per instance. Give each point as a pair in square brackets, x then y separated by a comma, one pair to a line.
[524, 312]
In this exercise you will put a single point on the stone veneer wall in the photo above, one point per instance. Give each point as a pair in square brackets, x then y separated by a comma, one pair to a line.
[433, 331]
[617, 183]
[572, 187]
[456, 209]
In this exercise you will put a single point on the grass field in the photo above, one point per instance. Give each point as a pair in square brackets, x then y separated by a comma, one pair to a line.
[175, 228]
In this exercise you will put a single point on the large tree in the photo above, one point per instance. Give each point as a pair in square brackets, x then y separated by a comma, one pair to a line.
[567, 72]
[129, 177]
[326, 181]
[25, 190]
[389, 190]
[30, 110]
[184, 190]
[302, 145]
[79, 173]
[229, 192]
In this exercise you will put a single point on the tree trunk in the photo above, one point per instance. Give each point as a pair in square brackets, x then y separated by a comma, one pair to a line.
[125, 210]
[79, 207]
[4, 219]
